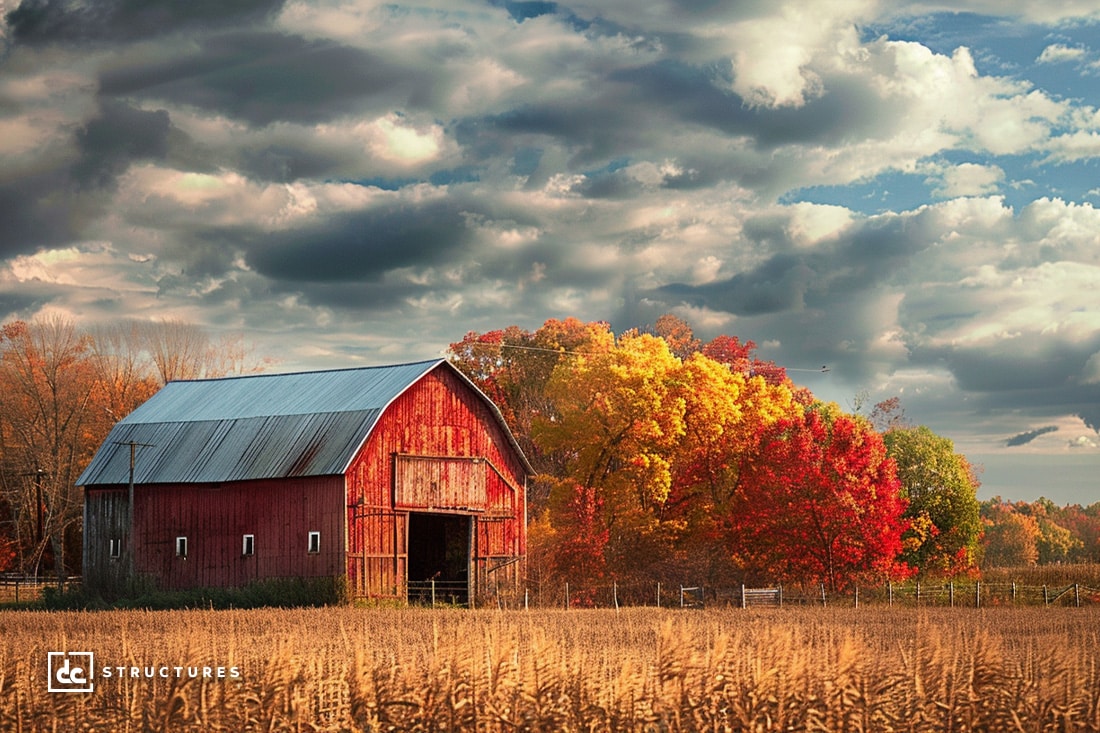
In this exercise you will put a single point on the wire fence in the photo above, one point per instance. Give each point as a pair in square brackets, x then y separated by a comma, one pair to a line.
[973, 594]
[16, 588]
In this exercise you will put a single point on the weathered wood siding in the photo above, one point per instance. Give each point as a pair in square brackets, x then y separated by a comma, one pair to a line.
[280, 514]
[440, 483]
[105, 520]
[420, 457]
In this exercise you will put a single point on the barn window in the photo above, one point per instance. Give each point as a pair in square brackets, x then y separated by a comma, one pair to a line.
[248, 544]
[314, 542]
[115, 547]
[181, 547]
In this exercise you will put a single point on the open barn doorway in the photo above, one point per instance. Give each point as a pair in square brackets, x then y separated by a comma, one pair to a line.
[439, 558]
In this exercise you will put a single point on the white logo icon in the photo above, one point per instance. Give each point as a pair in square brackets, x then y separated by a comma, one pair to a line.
[71, 671]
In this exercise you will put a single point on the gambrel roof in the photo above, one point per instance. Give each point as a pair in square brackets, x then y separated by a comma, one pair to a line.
[257, 427]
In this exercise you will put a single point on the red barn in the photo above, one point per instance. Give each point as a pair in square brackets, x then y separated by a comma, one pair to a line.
[395, 478]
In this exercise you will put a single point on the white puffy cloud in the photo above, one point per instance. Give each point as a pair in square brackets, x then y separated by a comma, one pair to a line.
[965, 179]
[1058, 53]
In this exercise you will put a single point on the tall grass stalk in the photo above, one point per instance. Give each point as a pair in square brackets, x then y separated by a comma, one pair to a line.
[340, 669]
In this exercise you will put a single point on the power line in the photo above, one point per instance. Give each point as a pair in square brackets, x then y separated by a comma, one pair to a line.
[822, 370]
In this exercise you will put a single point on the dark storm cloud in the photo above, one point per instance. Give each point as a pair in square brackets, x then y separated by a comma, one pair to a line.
[41, 209]
[1025, 438]
[362, 245]
[594, 128]
[846, 111]
[1091, 414]
[357, 297]
[821, 277]
[14, 304]
[119, 136]
[263, 77]
[630, 111]
[1041, 377]
[779, 284]
[286, 163]
[1005, 365]
[48, 205]
[37, 22]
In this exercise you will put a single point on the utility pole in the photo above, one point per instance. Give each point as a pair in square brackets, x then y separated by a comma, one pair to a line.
[38, 474]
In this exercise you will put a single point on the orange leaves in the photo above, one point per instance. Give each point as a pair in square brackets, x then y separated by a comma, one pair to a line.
[617, 415]
[689, 455]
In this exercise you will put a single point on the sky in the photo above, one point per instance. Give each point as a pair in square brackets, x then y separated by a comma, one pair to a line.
[903, 192]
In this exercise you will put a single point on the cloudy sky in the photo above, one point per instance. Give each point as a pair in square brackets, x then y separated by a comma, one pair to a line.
[903, 191]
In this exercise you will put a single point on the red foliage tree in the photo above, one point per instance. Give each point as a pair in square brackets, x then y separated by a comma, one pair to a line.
[582, 539]
[819, 501]
[740, 358]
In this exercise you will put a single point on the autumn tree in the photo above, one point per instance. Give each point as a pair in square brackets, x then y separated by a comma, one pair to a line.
[889, 415]
[818, 500]
[61, 390]
[1010, 538]
[51, 418]
[725, 411]
[182, 350]
[512, 366]
[619, 416]
[1083, 523]
[741, 357]
[1055, 543]
[941, 488]
[677, 334]
[123, 370]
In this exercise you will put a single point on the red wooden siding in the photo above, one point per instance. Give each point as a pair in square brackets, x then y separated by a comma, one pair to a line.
[434, 482]
[420, 456]
[279, 513]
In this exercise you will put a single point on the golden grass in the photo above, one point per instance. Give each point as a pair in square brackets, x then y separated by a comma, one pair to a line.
[641, 669]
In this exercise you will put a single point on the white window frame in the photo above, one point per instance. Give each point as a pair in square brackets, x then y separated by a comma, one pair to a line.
[181, 546]
[248, 545]
[313, 543]
[114, 548]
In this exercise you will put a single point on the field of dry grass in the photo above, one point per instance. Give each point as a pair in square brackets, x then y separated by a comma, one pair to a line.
[641, 669]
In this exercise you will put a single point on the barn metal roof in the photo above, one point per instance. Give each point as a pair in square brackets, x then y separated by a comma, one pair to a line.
[254, 427]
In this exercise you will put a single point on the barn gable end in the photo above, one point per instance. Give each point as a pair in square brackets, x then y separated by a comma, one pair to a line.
[440, 448]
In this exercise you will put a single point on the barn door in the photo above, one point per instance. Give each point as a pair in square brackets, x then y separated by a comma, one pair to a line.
[380, 559]
[439, 557]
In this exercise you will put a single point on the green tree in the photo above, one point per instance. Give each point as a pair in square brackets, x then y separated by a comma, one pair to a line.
[941, 488]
